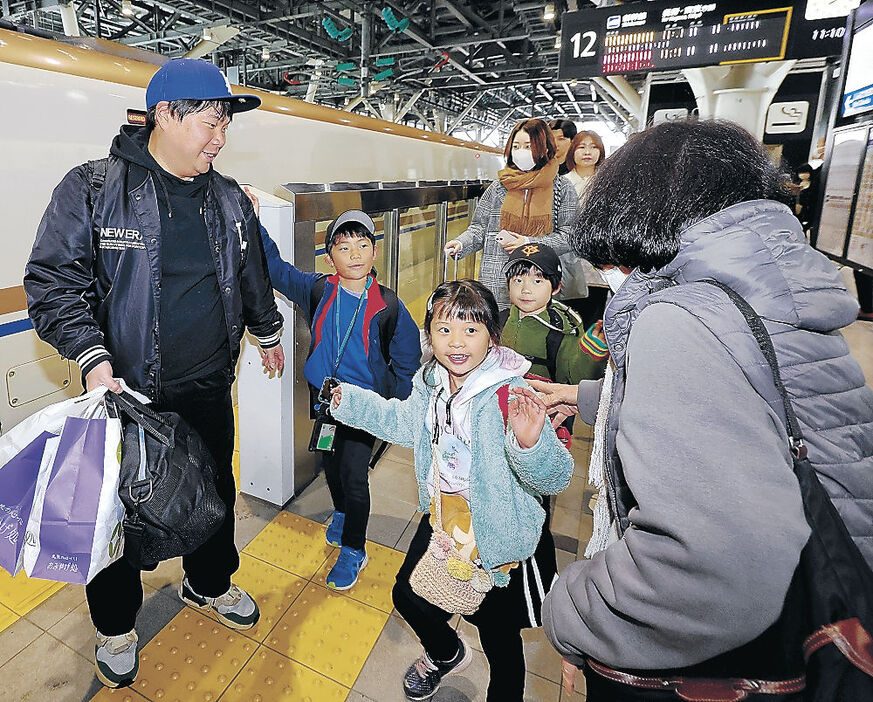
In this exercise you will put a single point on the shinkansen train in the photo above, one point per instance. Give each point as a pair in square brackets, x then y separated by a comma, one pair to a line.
[61, 104]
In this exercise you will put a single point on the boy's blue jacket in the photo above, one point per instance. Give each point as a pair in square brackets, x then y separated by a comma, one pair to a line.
[392, 377]
[505, 480]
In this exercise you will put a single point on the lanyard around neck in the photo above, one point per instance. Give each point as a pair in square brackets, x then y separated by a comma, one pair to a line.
[341, 346]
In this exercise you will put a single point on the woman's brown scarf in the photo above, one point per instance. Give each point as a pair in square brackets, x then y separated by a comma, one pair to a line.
[527, 207]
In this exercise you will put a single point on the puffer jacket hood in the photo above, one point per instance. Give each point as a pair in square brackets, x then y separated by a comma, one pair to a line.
[758, 249]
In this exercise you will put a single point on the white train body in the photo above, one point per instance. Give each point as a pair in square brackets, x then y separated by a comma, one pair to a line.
[61, 105]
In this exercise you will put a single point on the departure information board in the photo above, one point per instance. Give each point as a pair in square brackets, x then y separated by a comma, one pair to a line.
[662, 36]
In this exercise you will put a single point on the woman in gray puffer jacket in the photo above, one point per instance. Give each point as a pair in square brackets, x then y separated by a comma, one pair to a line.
[708, 523]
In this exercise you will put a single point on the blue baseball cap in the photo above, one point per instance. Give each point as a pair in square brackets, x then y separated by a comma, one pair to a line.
[195, 79]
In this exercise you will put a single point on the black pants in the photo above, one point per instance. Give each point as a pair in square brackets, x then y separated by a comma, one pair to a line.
[500, 634]
[347, 474]
[115, 593]
[600, 689]
[864, 284]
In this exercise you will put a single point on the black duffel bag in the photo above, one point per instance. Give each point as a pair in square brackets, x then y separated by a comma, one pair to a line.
[167, 484]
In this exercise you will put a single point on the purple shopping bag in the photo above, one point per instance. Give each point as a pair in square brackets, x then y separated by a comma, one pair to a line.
[69, 511]
[17, 485]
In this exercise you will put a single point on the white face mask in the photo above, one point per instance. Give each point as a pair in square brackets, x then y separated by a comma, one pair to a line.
[523, 159]
[614, 278]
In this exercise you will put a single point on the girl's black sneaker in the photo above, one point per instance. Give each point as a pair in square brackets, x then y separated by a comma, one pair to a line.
[423, 677]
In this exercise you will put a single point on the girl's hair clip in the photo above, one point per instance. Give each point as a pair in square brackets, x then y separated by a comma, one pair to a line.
[429, 304]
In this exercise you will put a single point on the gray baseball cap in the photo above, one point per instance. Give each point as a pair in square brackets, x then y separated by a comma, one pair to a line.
[356, 216]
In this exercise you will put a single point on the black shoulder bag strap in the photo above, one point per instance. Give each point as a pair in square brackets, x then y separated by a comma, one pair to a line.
[315, 294]
[839, 582]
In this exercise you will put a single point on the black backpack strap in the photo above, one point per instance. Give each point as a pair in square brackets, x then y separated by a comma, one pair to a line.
[315, 294]
[503, 317]
[96, 178]
[387, 321]
[553, 341]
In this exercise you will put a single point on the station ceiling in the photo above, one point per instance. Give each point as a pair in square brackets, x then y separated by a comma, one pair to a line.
[463, 66]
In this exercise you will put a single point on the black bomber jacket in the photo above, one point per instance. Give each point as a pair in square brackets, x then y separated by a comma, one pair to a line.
[93, 281]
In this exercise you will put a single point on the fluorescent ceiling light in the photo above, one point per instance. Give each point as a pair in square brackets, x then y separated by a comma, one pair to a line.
[126, 8]
[549, 12]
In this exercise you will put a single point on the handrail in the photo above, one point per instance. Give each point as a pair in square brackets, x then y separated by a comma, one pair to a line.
[322, 206]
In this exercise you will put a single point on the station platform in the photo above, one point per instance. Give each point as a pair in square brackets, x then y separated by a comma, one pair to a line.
[312, 643]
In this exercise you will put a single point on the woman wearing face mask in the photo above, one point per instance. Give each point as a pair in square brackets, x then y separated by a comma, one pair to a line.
[690, 589]
[528, 201]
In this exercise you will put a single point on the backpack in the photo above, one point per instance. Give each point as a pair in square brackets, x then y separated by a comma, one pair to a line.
[555, 337]
[386, 322]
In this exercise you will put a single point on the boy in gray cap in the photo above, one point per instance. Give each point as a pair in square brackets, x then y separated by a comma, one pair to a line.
[148, 266]
[362, 334]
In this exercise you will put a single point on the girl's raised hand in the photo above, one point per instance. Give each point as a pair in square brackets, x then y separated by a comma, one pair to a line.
[336, 396]
[527, 416]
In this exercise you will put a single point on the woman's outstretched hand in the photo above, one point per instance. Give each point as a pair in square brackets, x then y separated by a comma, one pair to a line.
[527, 416]
[560, 400]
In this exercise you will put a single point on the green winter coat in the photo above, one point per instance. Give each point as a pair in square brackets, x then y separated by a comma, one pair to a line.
[528, 336]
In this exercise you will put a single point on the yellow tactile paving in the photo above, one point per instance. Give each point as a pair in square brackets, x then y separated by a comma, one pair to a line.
[122, 695]
[329, 632]
[293, 543]
[192, 658]
[269, 677]
[7, 617]
[21, 594]
[375, 581]
[235, 465]
[274, 590]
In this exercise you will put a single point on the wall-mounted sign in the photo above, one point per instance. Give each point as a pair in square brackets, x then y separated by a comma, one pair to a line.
[787, 117]
[676, 114]
[660, 36]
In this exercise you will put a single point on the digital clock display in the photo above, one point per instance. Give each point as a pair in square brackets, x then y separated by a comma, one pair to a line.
[661, 36]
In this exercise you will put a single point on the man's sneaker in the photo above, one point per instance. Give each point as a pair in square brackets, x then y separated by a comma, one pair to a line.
[345, 571]
[423, 677]
[334, 535]
[235, 608]
[116, 659]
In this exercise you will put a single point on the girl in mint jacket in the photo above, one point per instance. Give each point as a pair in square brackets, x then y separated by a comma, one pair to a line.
[500, 466]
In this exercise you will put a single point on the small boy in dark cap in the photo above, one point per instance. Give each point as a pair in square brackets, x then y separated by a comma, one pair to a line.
[546, 332]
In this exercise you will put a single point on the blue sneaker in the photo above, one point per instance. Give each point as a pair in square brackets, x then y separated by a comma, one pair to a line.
[345, 571]
[334, 535]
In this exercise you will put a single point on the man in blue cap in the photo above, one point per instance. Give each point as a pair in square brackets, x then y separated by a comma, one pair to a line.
[148, 266]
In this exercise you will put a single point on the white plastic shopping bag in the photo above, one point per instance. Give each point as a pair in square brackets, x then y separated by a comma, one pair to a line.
[71, 528]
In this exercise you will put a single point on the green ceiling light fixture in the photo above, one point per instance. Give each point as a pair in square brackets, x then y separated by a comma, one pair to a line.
[382, 75]
[347, 66]
[348, 82]
[395, 25]
[385, 61]
[335, 32]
